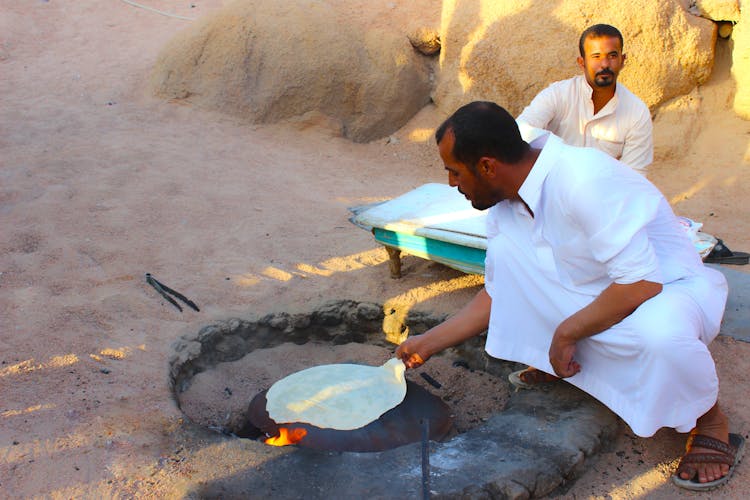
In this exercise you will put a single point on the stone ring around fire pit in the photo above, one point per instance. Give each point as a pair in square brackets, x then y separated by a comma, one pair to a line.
[538, 444]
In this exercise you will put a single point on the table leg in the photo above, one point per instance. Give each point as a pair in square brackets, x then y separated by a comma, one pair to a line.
[394, 262]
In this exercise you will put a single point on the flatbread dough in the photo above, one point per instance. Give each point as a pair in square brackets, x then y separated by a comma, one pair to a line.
[340, 396]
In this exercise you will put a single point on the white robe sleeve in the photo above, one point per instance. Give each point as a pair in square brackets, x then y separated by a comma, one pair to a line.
[638, 150]
[615, 226]
[541, 111]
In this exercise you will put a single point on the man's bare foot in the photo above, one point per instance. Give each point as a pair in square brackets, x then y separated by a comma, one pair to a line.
[530, 377]
[713, 424]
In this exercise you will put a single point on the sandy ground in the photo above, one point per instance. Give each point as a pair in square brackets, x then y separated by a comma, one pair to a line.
[101, 183]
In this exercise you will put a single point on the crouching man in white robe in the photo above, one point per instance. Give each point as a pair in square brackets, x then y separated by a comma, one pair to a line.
[590, 276]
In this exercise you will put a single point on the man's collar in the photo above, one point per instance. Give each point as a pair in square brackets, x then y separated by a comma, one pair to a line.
[589, 91]
[585, 83]
[531, 189]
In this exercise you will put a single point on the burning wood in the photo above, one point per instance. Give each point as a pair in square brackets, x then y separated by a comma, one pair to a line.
[287, 437]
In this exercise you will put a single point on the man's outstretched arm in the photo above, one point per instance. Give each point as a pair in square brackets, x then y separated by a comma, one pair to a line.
[469, 322]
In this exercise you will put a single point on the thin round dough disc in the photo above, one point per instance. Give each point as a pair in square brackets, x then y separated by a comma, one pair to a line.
[340, 396]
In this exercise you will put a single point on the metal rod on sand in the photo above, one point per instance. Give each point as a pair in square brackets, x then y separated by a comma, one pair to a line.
[426, 458]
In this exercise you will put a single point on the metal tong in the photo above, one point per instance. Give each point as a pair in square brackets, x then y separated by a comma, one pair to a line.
[164, 291]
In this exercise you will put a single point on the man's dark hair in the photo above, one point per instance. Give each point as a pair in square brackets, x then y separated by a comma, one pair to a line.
[599, 30]
[480, 129]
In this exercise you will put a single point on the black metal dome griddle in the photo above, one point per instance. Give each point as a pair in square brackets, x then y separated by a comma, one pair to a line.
[398, 426]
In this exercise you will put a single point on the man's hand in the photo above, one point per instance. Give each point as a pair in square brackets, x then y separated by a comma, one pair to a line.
[561, 353]
[615, 303]
[469, 322]
[409, 352]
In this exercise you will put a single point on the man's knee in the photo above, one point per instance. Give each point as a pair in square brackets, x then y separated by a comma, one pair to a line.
[663, 322]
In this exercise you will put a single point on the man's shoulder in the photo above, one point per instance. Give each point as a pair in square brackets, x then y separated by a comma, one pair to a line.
[588, 164]
[625, 94]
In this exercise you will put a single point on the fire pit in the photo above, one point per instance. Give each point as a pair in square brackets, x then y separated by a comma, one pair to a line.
[532, 447]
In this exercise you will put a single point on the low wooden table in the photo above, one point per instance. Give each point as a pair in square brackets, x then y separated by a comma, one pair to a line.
[436, 222]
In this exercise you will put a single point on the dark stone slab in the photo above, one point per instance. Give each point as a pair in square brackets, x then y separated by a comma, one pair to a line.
[537, 445]
[736, 322]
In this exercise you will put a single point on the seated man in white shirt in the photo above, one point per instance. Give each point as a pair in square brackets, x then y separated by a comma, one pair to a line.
[592, 109]
[588, 275]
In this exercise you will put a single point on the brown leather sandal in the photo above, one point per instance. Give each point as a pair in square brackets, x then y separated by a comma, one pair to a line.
[729, 454]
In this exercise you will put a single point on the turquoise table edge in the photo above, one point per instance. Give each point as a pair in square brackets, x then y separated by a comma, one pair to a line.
[466, 259]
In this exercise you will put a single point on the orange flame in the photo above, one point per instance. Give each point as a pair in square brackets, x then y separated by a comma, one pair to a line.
[287, 437]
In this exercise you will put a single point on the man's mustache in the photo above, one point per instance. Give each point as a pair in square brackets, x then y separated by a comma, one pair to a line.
[606, 72]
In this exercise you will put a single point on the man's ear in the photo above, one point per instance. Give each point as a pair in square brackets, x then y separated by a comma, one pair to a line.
[624, 56]
[579, 60]
[486, 166]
